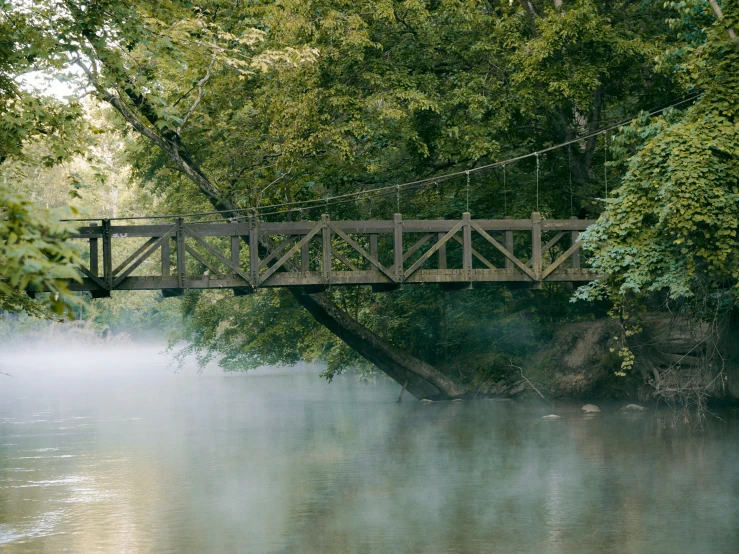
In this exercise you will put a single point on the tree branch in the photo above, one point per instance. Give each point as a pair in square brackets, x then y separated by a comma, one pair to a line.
[720, 16]
[201, 84]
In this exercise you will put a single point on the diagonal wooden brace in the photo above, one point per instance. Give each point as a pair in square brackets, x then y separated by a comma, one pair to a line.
[547, 246]
[570, 251]
[221, 258]
[135, 255]
[504, 251]
[371, 259]
[141, 258]
[290, 253]
[431, 251]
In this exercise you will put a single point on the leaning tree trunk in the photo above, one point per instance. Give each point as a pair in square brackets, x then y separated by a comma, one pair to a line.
[420, 379]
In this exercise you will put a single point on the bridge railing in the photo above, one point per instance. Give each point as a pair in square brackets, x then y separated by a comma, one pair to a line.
[249, 254]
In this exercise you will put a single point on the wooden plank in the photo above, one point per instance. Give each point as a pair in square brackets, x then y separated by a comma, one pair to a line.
[572, 224]
[365, 227]
[416, 246]
[431, 251]
[220, 257]
[366, 277]
[135, 255]
[140, 259]
[290, 253]
[503, 224]
[225, 229]
[398, 247]
[352, 227]
[372, 259]
[536, 244]
[467, 245]
[475, 253]
[504, 251]
[374, 250]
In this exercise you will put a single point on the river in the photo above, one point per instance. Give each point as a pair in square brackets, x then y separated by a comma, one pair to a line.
[111, 450]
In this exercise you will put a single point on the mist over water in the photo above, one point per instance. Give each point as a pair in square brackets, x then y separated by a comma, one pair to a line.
[112, 450]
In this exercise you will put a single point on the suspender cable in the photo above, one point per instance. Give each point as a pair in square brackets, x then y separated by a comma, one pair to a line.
[505, 195]
[605, 161]
[537, 181]
[468, 191]
[397, 197]
[569, 165]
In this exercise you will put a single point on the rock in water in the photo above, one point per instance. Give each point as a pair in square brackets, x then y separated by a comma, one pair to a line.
[632, 408]
[590, 408]
[426, 401]
[457, 400]
[550, 416]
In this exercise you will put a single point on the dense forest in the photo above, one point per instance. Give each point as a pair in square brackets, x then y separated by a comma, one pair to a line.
[180, 107]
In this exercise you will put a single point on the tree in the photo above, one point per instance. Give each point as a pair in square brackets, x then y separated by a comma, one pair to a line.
[33, 251]
[254, 104]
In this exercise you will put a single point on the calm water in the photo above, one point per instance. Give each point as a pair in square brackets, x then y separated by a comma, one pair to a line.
[117, 453]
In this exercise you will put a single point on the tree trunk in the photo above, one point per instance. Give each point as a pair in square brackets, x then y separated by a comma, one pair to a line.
[424, 381]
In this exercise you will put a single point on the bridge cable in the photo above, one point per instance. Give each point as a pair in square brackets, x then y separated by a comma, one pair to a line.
[412, 184]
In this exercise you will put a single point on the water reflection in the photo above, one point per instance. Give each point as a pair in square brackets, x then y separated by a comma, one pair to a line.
[117, 454]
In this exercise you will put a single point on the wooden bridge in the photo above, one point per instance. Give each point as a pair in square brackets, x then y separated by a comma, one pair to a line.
[249, 254]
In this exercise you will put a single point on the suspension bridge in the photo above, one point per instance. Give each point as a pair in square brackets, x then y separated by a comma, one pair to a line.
[245, 253]
[249, 254]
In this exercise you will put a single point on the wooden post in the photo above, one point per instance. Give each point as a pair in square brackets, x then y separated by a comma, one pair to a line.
[305, 257]
[253, 251]
[574, 235]
[442, 251]
[536, 244]
[509, 246]
[235, 250]
[180, 237]
[166, 260]
[467, 246]
[107, 255]
[374, 250]
[398, 247]
[94, 254]
[326, 247]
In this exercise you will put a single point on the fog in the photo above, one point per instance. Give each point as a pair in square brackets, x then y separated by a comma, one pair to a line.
[114, 449]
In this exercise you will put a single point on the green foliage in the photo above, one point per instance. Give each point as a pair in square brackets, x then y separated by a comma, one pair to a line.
[296, 100]
[34, 254]
[672, 223]
[671, 227]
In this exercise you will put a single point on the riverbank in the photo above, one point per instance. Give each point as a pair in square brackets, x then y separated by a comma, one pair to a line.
[581, 361]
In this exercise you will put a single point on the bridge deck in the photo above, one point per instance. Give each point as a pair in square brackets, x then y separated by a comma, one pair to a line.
[245, 256]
